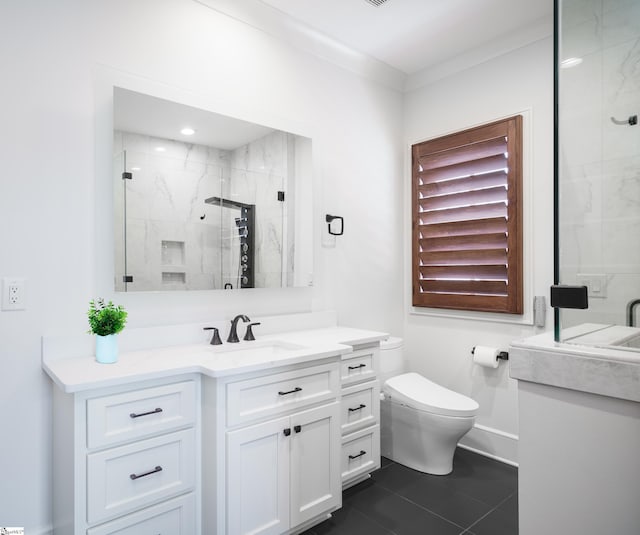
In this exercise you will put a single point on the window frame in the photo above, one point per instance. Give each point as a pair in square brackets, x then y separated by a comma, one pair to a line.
[512, 302]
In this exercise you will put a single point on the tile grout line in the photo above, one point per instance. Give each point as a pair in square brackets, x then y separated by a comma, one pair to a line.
[419, 506]
[465, 529]
[492, 510]
[389, 531]
[363, 513]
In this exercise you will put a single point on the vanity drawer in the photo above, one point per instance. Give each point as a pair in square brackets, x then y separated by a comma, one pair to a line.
[270, 395]
[360, 406]
[173, 517]
[361, 365]
[129, 477]
[360, 453]
[139, 413]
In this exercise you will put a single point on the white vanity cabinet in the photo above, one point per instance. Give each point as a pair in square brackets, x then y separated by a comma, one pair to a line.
[126, 459]
[272, 449]
[255, 437]
[360, 414]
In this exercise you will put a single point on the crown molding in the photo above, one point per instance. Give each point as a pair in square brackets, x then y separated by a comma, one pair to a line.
[277, 24]
[299, 35]
[536, 31]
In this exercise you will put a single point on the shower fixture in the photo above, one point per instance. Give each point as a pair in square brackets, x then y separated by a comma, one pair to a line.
[245, 224]
[631, 308]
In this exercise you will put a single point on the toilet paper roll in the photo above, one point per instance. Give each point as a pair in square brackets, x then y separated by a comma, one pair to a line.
[486, 356]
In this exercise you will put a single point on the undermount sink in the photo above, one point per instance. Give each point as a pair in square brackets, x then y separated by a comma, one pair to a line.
[257, 349]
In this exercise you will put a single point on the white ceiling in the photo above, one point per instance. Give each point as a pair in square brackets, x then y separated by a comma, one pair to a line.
[413, 35]
[152, 116]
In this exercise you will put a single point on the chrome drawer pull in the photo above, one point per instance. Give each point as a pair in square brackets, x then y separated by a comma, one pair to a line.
[352, 457]
[154, 411]
[154, 471]
[296, 389]
[358, 366]
[357, 408]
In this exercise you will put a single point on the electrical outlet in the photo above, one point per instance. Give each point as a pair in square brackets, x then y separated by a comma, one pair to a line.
[14, 294]
[596, 283]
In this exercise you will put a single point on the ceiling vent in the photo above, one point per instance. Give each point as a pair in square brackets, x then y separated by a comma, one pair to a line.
[376, 3]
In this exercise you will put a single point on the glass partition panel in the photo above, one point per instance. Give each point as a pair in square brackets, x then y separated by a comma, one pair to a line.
[598, 169]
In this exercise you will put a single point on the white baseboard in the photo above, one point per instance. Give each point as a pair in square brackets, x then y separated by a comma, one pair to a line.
[492, 443]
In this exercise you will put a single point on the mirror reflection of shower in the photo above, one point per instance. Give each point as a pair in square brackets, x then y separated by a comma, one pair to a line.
[240, 237]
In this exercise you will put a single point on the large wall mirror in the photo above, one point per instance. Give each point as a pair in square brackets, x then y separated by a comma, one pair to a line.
[598, 174]
[203, 201]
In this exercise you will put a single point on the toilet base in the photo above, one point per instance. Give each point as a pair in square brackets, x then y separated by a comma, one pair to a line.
[420, 440]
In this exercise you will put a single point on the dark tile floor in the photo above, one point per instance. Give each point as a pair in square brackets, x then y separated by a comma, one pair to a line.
[480, 497]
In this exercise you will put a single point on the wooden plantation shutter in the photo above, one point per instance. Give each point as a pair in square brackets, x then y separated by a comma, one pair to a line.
[467, 219]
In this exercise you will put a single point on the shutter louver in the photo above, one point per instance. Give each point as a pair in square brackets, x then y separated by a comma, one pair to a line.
[466, 220]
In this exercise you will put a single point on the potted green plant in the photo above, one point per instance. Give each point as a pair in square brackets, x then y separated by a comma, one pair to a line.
[106, 321]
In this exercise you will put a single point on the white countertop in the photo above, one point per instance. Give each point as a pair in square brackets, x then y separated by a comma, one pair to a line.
[79, 373]
[598, 370]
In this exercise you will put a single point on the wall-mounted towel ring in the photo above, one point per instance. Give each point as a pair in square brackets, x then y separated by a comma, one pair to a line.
[631, 121]
[329, 218]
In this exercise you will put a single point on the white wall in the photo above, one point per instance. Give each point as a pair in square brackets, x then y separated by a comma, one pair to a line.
[439, 344]
[54, 59]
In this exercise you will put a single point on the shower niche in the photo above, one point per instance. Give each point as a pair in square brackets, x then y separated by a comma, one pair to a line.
[226, 210]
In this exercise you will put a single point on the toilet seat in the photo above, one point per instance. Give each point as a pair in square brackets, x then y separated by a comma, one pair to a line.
[417, 392]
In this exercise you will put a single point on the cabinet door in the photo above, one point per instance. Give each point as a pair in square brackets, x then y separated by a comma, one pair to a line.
[315, 463]
[258, 479]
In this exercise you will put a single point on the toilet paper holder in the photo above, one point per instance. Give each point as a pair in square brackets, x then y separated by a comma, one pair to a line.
[503, 355]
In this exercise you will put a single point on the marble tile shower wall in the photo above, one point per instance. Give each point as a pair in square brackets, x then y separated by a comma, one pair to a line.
[170, 245]
[599, 160]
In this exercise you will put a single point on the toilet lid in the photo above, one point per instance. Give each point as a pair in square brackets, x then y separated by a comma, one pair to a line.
[417, 392]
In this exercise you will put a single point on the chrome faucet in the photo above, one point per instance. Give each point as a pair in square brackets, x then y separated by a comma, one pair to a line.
[631, 307]
[233, 333]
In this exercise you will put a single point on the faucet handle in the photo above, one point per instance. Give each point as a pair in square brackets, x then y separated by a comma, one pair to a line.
[249, 334]
[215, 339]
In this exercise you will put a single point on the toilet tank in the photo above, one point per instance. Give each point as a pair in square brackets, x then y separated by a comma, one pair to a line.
[391, 358]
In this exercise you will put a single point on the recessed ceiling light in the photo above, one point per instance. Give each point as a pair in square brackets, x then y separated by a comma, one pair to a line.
[187, 131]
[570, 62]
[136, 168]
[160, 149]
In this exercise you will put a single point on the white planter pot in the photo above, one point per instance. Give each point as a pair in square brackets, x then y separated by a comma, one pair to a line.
[107, 349]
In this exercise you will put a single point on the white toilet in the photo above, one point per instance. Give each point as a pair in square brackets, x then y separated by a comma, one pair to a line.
[421, 421]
